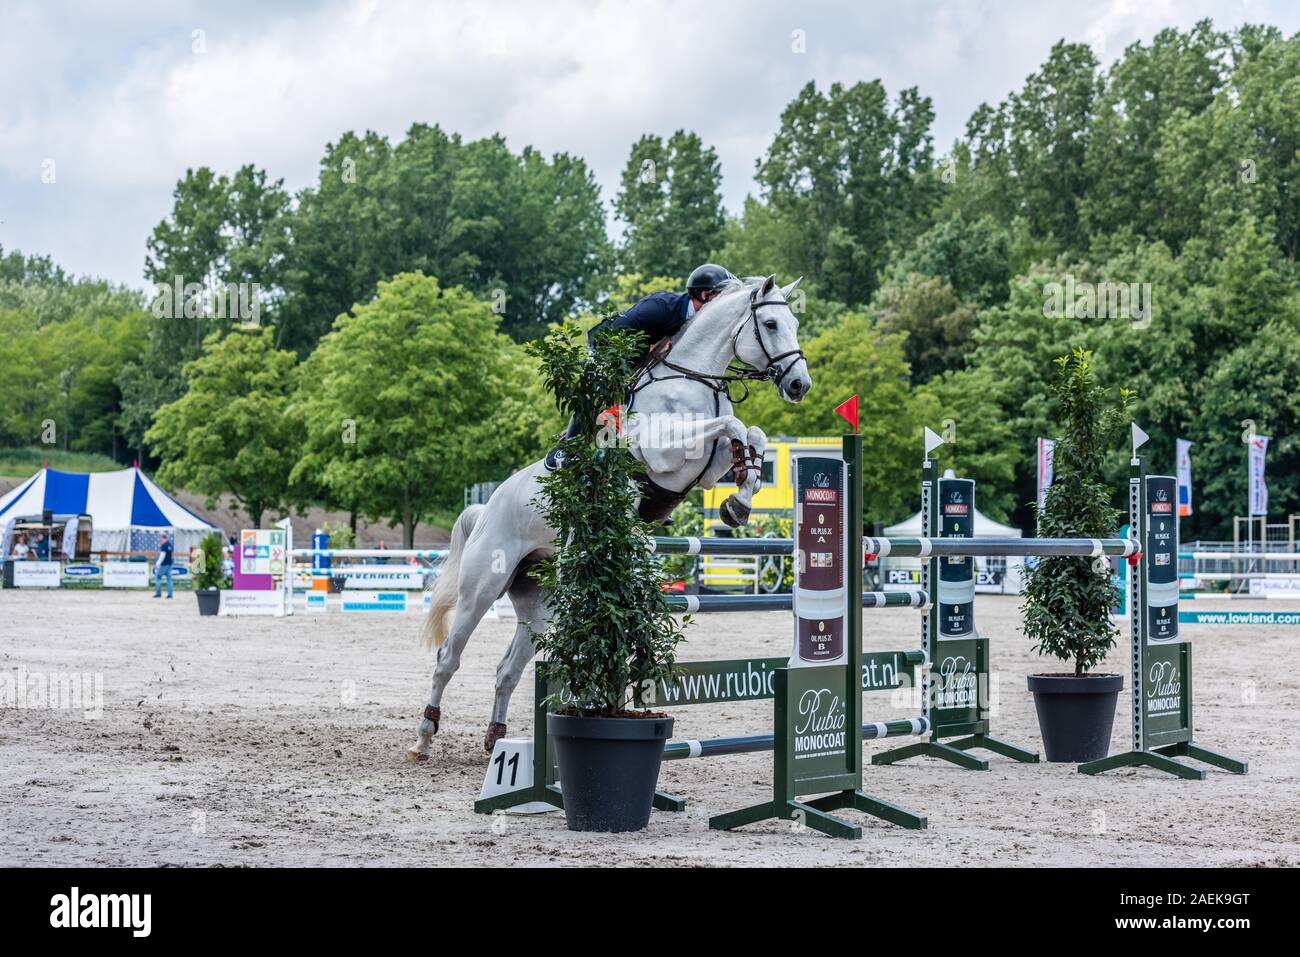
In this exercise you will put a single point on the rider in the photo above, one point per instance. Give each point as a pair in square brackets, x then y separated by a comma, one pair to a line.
[660, 316]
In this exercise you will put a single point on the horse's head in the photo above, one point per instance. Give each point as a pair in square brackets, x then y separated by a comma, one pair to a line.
[767, 338]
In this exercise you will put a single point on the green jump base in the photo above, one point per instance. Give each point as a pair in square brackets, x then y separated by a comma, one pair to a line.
[1162, 759]
[997, 746]
[815, 814]
[550, 794]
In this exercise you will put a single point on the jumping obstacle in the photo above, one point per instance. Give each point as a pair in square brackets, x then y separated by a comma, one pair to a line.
[955, 695]
[833, 762]
[785, 602]
[719, 682]
[817, 762]
[1161, 660]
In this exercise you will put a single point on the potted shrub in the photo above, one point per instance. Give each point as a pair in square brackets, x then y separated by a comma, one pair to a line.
[1068, 599]
[610, 631]
[210, 577]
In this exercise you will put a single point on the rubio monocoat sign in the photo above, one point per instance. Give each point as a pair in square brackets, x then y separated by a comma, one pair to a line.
[1165, 705]
[819, 581]
[955, 673]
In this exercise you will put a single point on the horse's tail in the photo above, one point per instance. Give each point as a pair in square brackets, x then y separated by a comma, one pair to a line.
[446, 585]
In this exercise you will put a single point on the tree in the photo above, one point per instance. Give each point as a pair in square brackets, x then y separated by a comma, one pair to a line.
[671, 201]
[853, 357]
[845, 176]
[221, 230]
[939, 327]
[410, 397]
[230, 431]
[973, 257]
[1174, 78]
[526, 231]
[1068, 599]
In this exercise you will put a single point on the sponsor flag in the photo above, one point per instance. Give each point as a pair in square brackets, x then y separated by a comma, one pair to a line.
[1258, 490]
[1046, 454]
[1184, 477]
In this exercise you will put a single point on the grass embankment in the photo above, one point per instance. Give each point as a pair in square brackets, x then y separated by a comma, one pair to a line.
[21, 463]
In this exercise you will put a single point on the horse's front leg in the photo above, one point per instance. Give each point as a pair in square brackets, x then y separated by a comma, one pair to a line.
[747, 467]
[679, 450]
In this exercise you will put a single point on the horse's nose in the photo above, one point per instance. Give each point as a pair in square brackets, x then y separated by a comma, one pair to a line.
[797, 386]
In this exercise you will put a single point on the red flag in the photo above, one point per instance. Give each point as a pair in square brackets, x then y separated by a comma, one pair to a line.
[849, 412]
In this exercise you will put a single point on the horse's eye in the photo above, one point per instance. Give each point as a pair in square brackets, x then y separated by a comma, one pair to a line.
[770, 325]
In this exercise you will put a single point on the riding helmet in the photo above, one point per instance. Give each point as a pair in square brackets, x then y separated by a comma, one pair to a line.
[708, 277]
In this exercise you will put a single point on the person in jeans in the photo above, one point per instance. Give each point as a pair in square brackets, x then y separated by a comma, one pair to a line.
[164, 567]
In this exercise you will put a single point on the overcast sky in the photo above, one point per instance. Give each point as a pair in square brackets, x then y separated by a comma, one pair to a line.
[122, 98]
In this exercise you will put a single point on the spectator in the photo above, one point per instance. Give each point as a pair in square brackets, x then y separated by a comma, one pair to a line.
[20, 548]
[42, 547]
[163, 568]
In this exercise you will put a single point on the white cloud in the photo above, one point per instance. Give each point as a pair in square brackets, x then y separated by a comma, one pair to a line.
[123, 105]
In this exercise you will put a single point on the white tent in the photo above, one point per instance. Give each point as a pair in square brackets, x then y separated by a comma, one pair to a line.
[127, 511]
[999, 575]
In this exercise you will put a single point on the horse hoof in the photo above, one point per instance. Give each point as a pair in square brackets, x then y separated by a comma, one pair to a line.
[416, 757]
[495, 732]
[733, 512]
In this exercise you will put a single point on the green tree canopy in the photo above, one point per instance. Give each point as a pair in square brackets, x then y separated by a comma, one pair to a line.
[230, 431]
[410, 397]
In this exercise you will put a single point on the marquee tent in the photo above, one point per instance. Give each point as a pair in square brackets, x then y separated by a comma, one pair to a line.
[1002, 575]
[127, 511]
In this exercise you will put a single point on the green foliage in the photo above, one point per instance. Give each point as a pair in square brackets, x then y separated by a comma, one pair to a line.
[230, 431]
[980, 444]
[938, 326]
[855, 357]
[221, 230]
[341, 535]
[526, 230]
[973, 258]
[411, 397]
[776, 573]
[1068, 599]
[671, 201]
[211, 574]
[610, 631]
[687, 519]
[22, 462]
[844, 177]
[62, 341]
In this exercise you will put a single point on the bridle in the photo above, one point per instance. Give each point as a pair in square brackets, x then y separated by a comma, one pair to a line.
[773, 370]
[721, 383]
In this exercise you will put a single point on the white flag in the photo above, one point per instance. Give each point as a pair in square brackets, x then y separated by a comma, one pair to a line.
[1184, 476]
[1258, 490]
[1046, 454]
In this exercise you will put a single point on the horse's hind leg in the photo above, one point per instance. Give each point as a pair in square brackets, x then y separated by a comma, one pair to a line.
[479, 587]
[530, 606]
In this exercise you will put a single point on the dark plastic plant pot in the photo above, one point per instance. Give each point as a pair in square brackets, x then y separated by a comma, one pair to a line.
[209, 600]
[1075, 714]
[609, 768]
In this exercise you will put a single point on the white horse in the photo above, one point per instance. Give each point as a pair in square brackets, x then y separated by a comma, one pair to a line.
[493, 545]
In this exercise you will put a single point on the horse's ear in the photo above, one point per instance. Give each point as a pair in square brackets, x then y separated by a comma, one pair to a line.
[768, 285]
[786, 290]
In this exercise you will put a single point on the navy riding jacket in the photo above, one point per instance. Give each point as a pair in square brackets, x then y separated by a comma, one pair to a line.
[659, 315]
